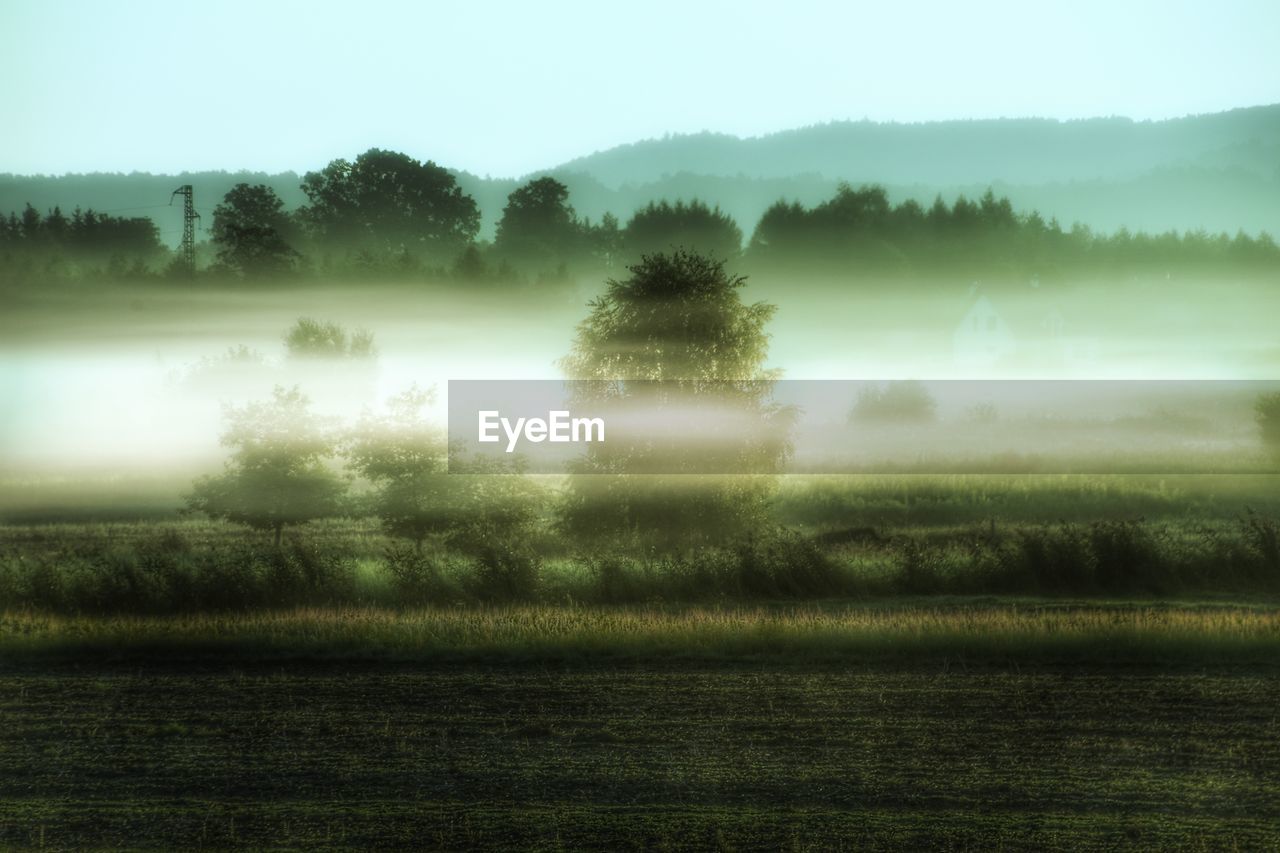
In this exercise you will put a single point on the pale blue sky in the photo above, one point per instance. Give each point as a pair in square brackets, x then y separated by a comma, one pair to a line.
[507, 88]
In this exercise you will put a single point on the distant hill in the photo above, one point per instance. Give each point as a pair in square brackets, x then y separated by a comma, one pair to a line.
[1015, 151]
[1220, 172]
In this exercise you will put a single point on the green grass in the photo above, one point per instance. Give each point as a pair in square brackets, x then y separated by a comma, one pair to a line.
[915, 632]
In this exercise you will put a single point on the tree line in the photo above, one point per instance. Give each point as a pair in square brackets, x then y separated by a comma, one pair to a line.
[858, 228]
[386, 214]
[85, 240]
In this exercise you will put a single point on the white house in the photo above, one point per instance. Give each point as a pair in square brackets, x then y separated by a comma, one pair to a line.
[1025, 335]
[982, 337]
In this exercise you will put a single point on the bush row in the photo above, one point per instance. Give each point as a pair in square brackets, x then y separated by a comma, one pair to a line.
[166, 572]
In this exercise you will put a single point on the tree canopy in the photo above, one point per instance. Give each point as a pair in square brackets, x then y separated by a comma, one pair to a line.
[538, 229]
[858, 231]
[679, 316]
[676, 333]
[405, 458]
[276, 475]
[664, 227]
[391, 203]
[250, 229]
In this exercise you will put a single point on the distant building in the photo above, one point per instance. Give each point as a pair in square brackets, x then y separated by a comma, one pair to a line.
[1022, 334]
[982, 338]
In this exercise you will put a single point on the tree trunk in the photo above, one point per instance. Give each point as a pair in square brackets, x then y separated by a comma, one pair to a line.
[279, 530]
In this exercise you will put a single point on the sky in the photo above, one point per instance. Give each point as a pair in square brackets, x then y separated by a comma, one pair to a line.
[504, 89]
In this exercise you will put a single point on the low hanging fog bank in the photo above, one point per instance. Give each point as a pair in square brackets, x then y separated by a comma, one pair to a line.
[120, 384]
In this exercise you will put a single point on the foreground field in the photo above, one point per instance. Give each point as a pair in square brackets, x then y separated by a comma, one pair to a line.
[637, 757]
[927, 723]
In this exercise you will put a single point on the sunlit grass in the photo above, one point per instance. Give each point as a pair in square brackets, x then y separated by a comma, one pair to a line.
[958, 632]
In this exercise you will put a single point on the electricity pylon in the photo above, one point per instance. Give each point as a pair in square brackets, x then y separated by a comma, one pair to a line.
[187, 252]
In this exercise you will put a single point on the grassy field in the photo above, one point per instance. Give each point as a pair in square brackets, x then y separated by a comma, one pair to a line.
[957, 724]
[637, 757]
[969, 675]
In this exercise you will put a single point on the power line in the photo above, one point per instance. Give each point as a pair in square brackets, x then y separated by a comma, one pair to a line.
[123, 209]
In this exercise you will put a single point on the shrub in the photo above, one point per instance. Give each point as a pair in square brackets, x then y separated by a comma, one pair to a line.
[1128, 558]
[506, 572]
[1262, 537]
[1057, 559]
[920, 568]
[300, 574]
[424, 577]
[614, 579]
[906, 401]
[785, 565]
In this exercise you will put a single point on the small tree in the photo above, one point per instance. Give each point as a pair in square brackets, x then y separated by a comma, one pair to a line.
[405, 458]
[1267, 409]
[276, 475]
[478, 505]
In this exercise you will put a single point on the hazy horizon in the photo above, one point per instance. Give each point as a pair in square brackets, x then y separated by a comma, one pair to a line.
[659, 138]
[290, 87]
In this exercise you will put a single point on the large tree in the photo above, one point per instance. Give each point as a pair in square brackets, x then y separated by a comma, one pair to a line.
[251, 229]
[276, 475]
[390, 203]
[674, 337]
[538, 229]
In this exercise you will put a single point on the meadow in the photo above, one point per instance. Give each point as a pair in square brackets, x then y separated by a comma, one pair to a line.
[854, 538]
[926, 662]
[884, 661]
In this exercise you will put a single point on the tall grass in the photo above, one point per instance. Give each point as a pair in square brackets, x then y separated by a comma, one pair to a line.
[963, 635]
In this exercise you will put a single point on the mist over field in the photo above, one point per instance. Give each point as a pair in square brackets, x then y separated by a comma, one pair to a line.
[130, 381]
[663, 426]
